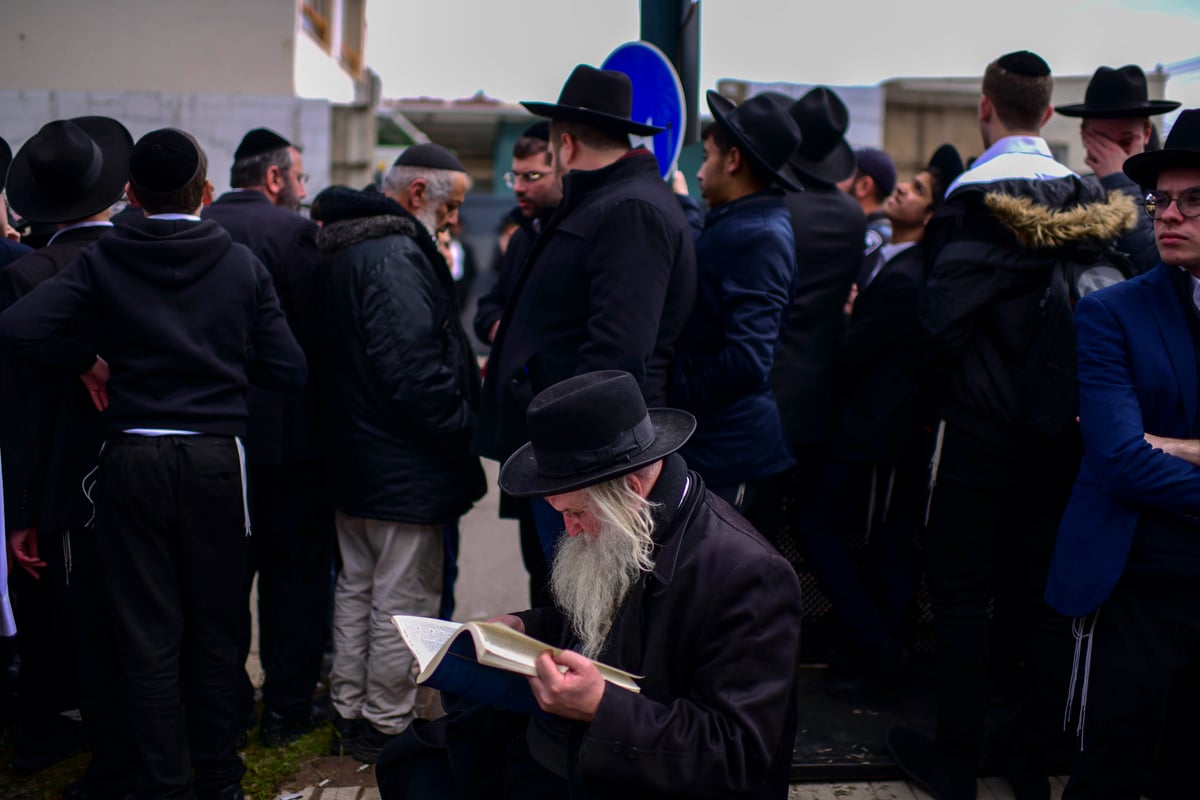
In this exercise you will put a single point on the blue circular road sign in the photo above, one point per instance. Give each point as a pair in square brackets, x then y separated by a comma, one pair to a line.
[657, 99]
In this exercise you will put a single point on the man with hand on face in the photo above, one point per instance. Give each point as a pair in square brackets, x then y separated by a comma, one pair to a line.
[1116, 115]
[656, 576]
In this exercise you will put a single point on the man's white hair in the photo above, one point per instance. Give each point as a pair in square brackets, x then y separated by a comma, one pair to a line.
[439, 183]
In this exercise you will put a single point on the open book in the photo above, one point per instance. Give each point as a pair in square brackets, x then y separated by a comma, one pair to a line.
[484, 661]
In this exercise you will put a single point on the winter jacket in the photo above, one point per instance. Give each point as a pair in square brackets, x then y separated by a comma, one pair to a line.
[746, 264]
[401, 382]
[994, 245]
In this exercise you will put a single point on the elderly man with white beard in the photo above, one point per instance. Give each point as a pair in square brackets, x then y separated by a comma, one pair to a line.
[656, 576]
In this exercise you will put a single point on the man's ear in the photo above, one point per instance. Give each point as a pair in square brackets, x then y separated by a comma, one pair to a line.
[131, 197]
[1046, 117]
[734, 160]
[864, 186]
[416, 194]
[567, 146]
[206, 197]
[986, 109]
[274, 180]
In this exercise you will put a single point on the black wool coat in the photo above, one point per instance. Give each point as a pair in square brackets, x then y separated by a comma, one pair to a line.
[282, 427]
[828, 226]
[609, 284]
[50, 433]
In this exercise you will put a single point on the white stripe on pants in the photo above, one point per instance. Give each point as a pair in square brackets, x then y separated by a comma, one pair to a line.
[387, 568]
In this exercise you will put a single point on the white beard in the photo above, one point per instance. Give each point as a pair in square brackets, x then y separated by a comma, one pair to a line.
[589, 578]
[427, 216]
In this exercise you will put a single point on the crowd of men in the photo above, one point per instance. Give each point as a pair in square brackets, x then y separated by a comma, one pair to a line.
[199, 391]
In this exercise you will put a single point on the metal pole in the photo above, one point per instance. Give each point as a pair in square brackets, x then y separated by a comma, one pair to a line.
[673, 26]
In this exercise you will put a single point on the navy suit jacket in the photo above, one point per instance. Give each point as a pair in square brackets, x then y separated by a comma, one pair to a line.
[1137, 375]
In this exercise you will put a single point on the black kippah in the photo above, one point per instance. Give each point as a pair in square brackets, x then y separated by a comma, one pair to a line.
[433, 156]
[538, 130]
[1024, 62]
[259, 141]
[164, 161]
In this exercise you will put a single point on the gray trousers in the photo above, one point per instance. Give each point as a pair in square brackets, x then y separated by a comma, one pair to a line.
[387, 568]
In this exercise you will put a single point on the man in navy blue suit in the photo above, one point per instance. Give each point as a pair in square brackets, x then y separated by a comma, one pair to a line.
[1127, 557]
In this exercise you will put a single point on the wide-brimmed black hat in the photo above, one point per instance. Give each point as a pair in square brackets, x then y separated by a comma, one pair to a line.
[589, 429]
[70, 169]
[764, 132]
[5, 160]
[1117, 94]
[824, 154]
[599, 97]
[1182, 149]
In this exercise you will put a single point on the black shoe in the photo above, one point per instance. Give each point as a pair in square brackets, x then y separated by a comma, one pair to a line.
[937, 772]
[370, 743]
[1021, 765]
[52, 741]
[278, 730]
[345, 734]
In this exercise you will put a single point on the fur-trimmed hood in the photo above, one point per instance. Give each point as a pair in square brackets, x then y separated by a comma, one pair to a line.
[1038, 226]
[341, 235]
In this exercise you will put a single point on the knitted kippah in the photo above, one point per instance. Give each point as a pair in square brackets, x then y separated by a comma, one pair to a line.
[164, 161]
[259, 141]
[433, 156]
[1023, 62]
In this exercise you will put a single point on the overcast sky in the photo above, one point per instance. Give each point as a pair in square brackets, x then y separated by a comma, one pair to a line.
[524, 49]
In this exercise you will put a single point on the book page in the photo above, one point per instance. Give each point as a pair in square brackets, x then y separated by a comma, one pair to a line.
[425, 635]
[507, 645]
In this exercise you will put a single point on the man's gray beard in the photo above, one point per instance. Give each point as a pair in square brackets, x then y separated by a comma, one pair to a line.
[427, 216]
[589, 577]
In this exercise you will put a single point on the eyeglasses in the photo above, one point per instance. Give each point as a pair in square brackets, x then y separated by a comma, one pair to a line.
[511, 178]
[1188, 203]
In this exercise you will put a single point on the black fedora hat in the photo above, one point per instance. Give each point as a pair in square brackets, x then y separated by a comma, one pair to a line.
[70, 169]
[1182, 149]
[5, 160]
[589, 429]
[764, 132]
[824, 154]
[1117, 94]
[599, 97]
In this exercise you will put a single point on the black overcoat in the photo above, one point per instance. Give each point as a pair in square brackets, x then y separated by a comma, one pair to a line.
[608, 284]
[282, 427]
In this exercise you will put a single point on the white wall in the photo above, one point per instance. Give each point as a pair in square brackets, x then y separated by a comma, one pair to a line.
[214, 46]
[218, 121]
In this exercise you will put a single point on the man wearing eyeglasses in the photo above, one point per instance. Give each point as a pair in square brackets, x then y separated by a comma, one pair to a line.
[293, 529]
[1127, 558]
[538, 191]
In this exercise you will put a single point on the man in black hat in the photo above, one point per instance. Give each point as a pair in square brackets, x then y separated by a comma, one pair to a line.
[876, 462]
[10, 238]
[189, 318]
[829, 230]
[746, 263]
[1116, 113]
[68, 175]
[1005, 453]
[1126, 560]
[657, 576]
[403, 392]
[293, 528]
[610, 281]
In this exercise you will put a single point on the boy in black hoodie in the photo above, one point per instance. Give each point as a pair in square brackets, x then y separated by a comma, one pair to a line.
[191, 318]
